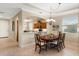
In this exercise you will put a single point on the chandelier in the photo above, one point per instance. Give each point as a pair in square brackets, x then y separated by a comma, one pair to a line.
[50, 20]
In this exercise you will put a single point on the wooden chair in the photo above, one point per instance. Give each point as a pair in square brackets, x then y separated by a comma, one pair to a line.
[39, 43]
[58, 43]
[63, 40]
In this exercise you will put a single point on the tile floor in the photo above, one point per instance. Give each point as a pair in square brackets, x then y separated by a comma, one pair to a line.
[10, 48]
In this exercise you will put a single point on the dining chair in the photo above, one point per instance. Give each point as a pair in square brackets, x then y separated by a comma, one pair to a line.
[63, 40]
[39, 43]
[57, 43]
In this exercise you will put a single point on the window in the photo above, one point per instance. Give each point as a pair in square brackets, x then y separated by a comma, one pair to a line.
[69, 24]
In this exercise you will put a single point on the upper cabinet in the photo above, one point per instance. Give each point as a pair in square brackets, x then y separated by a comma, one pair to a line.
[41, 25]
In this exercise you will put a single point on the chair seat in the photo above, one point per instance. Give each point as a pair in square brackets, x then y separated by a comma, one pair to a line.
[55, 42]
[42, 43]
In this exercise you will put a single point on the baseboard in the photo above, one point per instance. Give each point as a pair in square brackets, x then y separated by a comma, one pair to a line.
[3, 37]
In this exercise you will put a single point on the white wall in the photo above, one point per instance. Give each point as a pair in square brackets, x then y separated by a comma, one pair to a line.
[27, 37]
[4, 28]
[13, 34]
[72, 37]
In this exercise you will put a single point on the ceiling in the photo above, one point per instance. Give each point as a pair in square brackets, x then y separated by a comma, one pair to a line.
[8, 10]
[55, 6]
[57, 10]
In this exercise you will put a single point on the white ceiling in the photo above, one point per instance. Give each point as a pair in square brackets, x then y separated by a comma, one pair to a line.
[55, 6]
[63, 9]
[8, 10]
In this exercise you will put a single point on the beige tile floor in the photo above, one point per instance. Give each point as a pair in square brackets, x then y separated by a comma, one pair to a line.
[10, 48]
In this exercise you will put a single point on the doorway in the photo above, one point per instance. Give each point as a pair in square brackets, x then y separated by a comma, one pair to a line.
[17, 31]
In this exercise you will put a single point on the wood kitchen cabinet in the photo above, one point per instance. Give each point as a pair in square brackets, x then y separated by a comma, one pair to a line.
[41, 25]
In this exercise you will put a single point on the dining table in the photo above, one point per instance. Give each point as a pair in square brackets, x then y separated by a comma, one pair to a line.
[49, 38]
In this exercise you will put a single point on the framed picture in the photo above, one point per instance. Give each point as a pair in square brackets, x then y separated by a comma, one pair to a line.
[13, 26]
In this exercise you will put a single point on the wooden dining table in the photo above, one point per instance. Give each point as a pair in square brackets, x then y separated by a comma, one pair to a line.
[49, 38]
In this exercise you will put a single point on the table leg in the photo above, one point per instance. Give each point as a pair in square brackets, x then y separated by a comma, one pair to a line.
[46, 46]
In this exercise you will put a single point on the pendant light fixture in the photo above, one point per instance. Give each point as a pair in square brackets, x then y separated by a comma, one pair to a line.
[50, 20]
